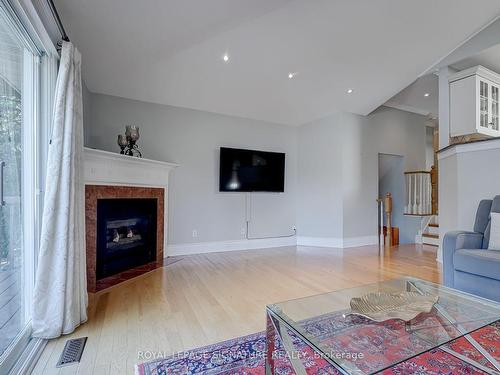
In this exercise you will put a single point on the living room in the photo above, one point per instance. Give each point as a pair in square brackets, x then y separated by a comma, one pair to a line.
[249, 187]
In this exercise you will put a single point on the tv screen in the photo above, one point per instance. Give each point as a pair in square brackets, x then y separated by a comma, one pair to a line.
[250, 170]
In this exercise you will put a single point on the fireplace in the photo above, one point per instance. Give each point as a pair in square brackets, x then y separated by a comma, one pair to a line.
[126, 234]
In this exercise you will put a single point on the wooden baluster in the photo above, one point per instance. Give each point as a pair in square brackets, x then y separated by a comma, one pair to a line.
[408, 192]
[414, 197]
[429, 194]
[434, 188]
[421, 193]
[388, 213]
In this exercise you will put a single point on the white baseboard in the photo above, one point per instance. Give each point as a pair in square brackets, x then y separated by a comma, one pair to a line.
[360, 241]
[220, 246]
[320, 241]
[340, 243]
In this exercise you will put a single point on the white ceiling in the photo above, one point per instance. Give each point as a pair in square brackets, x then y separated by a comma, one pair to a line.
[489, 58]
[170, 51]
[413, 98]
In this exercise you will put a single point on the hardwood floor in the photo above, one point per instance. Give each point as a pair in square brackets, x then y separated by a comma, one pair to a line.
[204, 299]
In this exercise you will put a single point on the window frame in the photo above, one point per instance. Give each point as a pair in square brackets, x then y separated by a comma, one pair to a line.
[40, 65]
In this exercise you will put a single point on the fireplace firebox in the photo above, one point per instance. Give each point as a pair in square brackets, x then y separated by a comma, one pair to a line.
[126, 234]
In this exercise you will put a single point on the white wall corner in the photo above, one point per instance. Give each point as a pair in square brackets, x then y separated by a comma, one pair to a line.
[444, 106]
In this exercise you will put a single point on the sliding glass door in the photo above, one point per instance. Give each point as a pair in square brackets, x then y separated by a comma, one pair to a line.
[12, 252]
[19, 103]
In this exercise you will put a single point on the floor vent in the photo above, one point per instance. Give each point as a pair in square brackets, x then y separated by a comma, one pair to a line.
[72, 352]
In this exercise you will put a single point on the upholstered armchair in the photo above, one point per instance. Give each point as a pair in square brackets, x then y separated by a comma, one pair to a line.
[468, 265]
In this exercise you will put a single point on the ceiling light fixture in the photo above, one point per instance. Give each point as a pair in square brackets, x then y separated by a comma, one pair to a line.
[225, 57]
[350, 91]
[427, 94]
[292, 74]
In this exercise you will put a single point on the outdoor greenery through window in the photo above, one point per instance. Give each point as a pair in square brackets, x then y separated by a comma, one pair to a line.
[16, 254]
[10, 149]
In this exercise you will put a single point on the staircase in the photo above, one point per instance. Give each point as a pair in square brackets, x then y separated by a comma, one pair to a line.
[430, 234]
[421, 200]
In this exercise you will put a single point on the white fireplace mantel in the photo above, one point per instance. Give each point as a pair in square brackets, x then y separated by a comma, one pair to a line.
[108, 168]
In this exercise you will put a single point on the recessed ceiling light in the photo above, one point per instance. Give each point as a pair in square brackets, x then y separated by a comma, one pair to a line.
[350, 91]
[292, 74]
[427, 94]
[225, 57]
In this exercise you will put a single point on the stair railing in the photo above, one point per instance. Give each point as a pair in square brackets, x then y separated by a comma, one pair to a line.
[418, 193]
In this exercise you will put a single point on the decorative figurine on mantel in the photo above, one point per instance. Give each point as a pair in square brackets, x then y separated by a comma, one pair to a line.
[128, 141]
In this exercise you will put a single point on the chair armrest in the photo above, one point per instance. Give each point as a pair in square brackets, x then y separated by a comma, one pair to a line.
[454, 241]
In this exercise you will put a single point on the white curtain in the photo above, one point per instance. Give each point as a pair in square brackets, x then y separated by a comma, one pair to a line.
[60, 296]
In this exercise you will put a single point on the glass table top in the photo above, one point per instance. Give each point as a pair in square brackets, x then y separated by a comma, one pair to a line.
[358, 345]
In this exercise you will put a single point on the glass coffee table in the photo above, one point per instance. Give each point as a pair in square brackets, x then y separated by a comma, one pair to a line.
[321, 328]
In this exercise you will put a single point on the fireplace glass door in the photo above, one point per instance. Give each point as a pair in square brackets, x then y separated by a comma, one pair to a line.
[126, 234]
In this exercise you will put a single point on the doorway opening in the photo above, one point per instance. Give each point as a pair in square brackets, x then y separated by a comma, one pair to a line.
[392, 180]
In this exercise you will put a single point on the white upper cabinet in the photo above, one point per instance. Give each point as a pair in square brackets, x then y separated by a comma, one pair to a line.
[474, 102]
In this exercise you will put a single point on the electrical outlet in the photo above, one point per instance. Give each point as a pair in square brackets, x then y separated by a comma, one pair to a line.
[195, 233]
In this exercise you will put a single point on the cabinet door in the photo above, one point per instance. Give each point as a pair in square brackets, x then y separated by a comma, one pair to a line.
[494, 112]
[484, 103]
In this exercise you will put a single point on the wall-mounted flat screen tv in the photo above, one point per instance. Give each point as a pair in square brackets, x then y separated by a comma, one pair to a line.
[251, 170]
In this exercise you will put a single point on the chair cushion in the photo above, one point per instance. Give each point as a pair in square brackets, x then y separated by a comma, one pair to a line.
[483, 215]
[495, 207]
[485, 263]
[494, 242]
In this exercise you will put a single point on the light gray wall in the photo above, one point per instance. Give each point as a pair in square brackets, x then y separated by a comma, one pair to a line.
[392, 180]
[331, 167]
[388, 131]
[465, 179]
[350, 145]
[87, 110]
[319, 193]
[192, 139]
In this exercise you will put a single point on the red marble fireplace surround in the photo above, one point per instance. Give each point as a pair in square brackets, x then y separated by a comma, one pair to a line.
[92, 194]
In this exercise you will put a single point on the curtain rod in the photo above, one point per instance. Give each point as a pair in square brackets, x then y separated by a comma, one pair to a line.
[60, 26]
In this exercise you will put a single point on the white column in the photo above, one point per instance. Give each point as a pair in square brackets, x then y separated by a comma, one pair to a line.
[444, 106]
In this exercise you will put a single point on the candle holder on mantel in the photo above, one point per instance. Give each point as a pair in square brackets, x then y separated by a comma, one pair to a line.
[128, 141]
